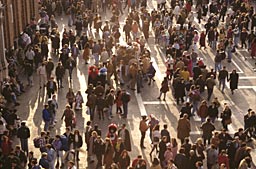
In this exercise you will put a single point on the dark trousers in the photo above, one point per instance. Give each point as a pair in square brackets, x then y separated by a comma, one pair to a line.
[125, 108]
[209, 91]
[24, 145]
[99, 159]
[143, 133]
[59, 81]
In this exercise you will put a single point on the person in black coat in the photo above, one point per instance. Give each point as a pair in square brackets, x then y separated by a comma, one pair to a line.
[51, 87]
[98, 149]
[59, 73]
[162, 149]
[213, 111]
[233, 78]
[78, 143]
[23, 133]
[181, 161]
[179, 89]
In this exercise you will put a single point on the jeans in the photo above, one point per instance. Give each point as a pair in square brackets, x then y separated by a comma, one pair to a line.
[46, 125]
[223, 83]
[96, 57]
[218, 66]
[194, 107]
[110, 110]
[209, 91]
[24, 145]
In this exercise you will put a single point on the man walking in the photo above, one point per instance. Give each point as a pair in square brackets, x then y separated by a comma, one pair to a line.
[210, 83]
[125, 97]
[223, 75]
[143, 128]
[23, 133]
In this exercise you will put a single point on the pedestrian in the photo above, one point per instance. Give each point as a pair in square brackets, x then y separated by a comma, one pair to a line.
[79, 101]
[51, 87]
[126, 97]
[125, 135]
[124, 160]
[218, 60]
[70, 65]
[91, 104]
[213, 111]
[207, 128]
[143, 128]
[155, 164]
[223, 75]
[77, 144]
[46, 117]
[59, 73]
[162, 149]
[110, 101]
[43, 162]
[203, 111]
[119, 148]
[139, 163]
[233, 80]
[183, 128]
[21, 155]
[51, 155]
[57, 145]
[210, 83]
[68, 114]
[181, 160]
[70, 96]
[164, 88]
[151, 73]
[223, 158]
[108, 153]
[29, 72]
[226, 116]
[42, 75]
[212, 156]
[156, 135]
[165, 132]
[49, 68]
[23, 134]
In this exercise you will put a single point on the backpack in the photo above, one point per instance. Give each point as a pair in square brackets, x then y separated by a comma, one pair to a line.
[36, 142]
[64, 143]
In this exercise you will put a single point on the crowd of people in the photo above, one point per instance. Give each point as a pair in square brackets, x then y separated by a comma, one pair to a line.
[118, 65]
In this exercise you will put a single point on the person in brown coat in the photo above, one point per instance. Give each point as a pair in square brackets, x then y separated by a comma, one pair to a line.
[108, 153]
[164, 88]
[143, 128]
[203, 111]
[86, 53]
[125, 135]
[183, 128]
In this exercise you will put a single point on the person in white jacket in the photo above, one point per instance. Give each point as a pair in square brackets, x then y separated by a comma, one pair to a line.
[42, 75]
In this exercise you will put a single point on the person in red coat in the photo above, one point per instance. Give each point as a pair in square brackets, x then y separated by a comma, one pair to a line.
[202, 40]
[6, 146]
[223, 159]
[253, 48]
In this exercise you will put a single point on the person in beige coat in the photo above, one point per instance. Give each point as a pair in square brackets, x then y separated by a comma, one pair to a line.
[183, 128]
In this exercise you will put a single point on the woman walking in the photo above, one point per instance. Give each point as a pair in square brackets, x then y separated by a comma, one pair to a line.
[164, 88]
[233, 80]
[155, 138]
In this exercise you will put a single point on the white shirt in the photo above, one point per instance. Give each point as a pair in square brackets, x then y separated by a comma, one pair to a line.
[41, 70]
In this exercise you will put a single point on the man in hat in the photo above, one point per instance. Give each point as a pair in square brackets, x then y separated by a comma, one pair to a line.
[23, 133]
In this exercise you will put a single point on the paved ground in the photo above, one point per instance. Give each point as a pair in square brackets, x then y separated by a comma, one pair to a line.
[144, 103]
